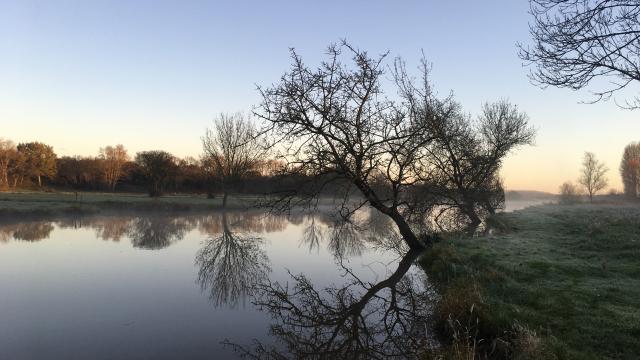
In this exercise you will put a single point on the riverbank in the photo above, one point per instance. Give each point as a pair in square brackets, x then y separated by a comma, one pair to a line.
[555, 282]
[34, 204]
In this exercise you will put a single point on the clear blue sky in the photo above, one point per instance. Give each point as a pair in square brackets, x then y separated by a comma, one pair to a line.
[153, 74]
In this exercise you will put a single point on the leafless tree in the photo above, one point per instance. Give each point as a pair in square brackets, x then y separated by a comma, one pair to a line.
[233, 148]
[8, 154]
[467, 156]
[569, 193]
[335, 127]
[630, 170]
[577, 41]
[114, 159]
[592, 175]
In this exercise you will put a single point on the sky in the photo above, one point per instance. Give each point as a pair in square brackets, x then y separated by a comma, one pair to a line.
[79, 75]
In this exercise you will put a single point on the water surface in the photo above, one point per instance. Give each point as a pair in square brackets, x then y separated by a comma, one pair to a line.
[206, 287]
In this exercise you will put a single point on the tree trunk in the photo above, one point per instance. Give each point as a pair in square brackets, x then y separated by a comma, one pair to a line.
[39, 181]
[224, 200]
[405, 230]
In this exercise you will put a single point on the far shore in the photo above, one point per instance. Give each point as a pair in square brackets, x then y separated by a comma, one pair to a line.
[34, 204]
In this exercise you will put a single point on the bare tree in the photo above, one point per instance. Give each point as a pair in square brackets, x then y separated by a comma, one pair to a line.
[577, 41]
[630, 170]
[232, 147]
[335, 127]
[8, 154]
[114, 159]
[592, 175]
[467, 156]
[569, 193]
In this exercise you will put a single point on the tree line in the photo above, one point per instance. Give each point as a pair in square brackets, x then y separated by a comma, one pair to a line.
[36, 165]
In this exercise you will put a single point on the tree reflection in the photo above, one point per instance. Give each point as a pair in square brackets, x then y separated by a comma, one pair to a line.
[255, 222]
[312, 234]
[230, 265]
[156, 232]
[356, 320]
[112, 228]
[26, 231]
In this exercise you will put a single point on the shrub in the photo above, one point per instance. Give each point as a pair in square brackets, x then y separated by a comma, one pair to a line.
[569, 193]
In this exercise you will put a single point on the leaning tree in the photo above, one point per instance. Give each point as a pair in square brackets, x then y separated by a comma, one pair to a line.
[575, 42]
[335, 127]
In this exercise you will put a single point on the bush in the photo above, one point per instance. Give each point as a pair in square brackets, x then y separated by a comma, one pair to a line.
[569, 193]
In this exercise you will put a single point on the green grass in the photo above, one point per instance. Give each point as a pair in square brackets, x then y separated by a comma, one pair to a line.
[569, 273]
[46, 203]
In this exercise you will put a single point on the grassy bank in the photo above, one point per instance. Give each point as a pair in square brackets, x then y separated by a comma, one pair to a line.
[552, 282]
[55, 203]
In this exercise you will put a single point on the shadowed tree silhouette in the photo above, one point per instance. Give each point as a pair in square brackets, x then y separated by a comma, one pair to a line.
[466, 157]
[575, 42]
[230, 265]
[158, 167]
[336, 128]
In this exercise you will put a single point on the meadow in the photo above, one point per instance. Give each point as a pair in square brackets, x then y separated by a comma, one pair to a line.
[549, 281]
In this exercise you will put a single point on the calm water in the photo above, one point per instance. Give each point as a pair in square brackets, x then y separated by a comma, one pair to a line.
[178, 286]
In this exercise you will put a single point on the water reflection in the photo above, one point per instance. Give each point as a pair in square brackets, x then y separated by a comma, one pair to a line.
[231, 263]
[26, 231]
[354, 320]
[334, 308]
[156, 232]
[147, 231]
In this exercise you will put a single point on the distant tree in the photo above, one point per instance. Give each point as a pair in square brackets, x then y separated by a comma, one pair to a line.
[335, 126]
[190, 175]
[233, 149]
[8, 154]
[158, 168]
[577, 41]
[630, 170]
[114, 159]
[39, 160]
[80, 172]
[592, 175]
[569, 193]
[17, 169]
